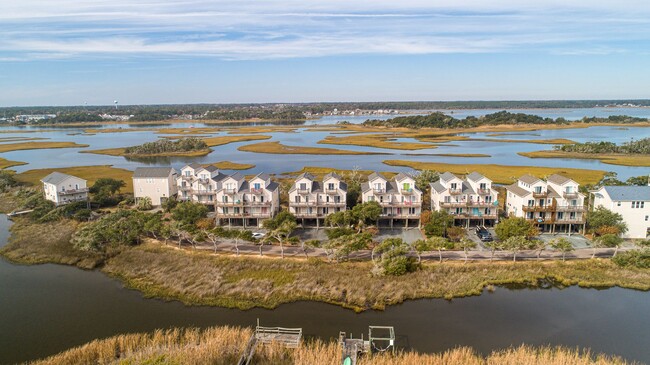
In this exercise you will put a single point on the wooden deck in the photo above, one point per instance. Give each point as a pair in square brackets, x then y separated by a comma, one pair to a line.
[288, 337]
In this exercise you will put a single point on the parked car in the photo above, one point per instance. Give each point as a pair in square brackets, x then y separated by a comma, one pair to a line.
[483, 234]
[258, 235]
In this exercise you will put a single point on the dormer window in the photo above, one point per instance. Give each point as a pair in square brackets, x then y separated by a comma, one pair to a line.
[483, 186]
[454, 186]
[330, 186]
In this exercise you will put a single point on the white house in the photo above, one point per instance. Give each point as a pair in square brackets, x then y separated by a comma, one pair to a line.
[246, 202]
[554, 205]
[632, 202]
[63, 188]
[311, 200]
[199, 184]
[156, 183]
[400, 200]
[470, 201]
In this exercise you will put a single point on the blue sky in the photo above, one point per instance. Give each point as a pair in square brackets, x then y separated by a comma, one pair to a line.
[139, 52]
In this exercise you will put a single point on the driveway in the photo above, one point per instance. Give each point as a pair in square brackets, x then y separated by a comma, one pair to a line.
[409, 235]
[577, 240]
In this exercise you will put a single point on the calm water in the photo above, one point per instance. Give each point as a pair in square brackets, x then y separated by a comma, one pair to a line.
[47, 308]
[501, 153]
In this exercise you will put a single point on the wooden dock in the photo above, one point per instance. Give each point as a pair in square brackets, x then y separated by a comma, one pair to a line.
[288, 337]
[352, 348]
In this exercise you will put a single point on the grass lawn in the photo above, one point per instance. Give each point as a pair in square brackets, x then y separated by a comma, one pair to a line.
[503, 174]
[612, 159]
[90, 173]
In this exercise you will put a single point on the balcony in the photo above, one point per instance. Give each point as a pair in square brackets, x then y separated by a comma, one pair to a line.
[187, 178]
[570, 195]
[330, 204]
[570, 208]
[403, 215]
[302, 204]
[484, 191]
[378, 191]
[73, 191]
[538, 208]
[244, 215]
[453, 204]
[480, 204]
[203, 192]
[259, 191]
[455, 191]
[185, 188]
[258, 203]
[540, 194]
[407, 191]
[538, 220]
[203, 181]
[308, 215]
[230, 191]
[236, 203]
[569, 220]
[303, 191]
[332, 191]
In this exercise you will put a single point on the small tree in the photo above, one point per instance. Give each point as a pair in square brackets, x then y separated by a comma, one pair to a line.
[393, 258]
[515, 227]
[341, 247]
[515, 244]
[455, 234]
[144, 204]
[603, 217]
[466, 244]
[539, 246]
[310, 244]
[420, 246]
[280, 228]
[563, 245]
[439, 221]
[153, 225]
[440, 244]
[188, 213]
[493, 245]
[610, 241]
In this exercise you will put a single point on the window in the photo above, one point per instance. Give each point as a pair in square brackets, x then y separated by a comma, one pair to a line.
[257, 186]
[646, 218]
[303, 186]
[330, 186]
[297, 199]
[454, 186]
[538, 189]
[482, 186]
[371, 198]
[406, 186]
[618, 204]
[224, 198]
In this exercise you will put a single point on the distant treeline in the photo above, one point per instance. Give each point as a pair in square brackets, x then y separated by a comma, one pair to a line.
[290, 111]
[441, 120]
[167, 146]
[641, 146]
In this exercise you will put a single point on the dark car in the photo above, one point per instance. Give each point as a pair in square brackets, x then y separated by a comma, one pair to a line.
[483, 234]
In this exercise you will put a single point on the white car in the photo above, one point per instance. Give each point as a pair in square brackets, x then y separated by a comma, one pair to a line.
[258, 235]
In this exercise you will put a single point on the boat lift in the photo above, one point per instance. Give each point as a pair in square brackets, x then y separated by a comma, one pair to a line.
[380, 339]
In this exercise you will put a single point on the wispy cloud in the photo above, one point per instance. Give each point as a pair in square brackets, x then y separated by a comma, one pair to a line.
[244, 29]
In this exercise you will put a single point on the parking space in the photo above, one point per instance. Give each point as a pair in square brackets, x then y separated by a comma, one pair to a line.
[306, 234]
[577, 240]
[480, 245]
[409, 235]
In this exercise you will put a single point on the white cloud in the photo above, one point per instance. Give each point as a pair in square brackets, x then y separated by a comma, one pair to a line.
[247, 29]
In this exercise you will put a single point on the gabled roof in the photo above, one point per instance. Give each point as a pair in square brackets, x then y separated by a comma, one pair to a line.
[305, 175]
[332, 174]
[437, 186]
[236, 175]
[211, 168]
[400, 177]
[466, 188]
[447, 176]
[262, 175]
[552, 193]
[558, 179]
[57, 177]
[517, 190]
[152, 172]
[343, 186]
[529, 179]
[220, 176]
[194, 166]
[628, 193]
[272, 186]
[375, 175]
[475, 176]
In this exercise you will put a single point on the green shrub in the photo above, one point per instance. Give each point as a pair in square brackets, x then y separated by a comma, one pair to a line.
[636, 258]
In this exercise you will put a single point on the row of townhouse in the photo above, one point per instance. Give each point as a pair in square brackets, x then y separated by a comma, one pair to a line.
[555, 205]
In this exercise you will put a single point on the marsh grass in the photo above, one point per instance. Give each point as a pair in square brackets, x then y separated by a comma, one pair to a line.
[229, 165]
[8, 147]
[202, 278]
[39, 243]
[4, 163]
[279, 148]
[122, 152]
[223, 140]
[377, 141]
[504, 174]
[90, 173]
[224, 345]
[608, 158]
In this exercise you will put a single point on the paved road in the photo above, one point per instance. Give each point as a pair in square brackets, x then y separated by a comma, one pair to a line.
[296, 251]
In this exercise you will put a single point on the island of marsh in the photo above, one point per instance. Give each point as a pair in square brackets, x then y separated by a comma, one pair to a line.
[9, 147]
[611, 159]
[504, 174]
[279, 148]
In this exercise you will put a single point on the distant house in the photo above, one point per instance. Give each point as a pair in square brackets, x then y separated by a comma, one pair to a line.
[632, 202]
[62, 188]
[156, 183]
